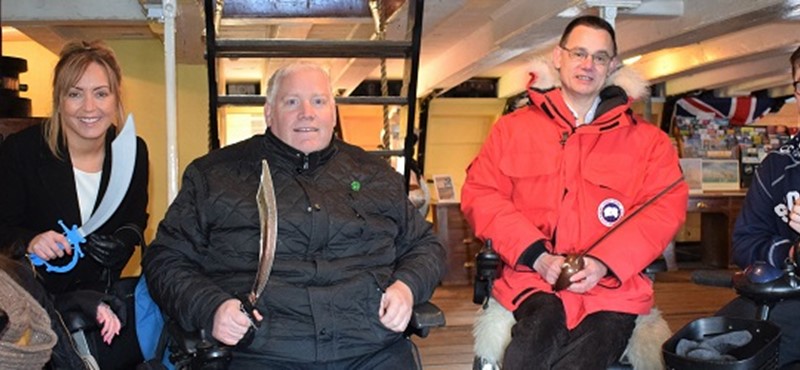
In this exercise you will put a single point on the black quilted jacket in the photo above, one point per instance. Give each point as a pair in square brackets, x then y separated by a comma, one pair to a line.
[346, 231]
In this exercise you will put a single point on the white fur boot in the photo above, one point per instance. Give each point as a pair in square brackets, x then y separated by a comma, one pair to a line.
[492, 333]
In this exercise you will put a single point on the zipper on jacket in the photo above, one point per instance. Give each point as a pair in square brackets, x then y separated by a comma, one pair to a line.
[71, 341]
[564, 137]
[305, 162]
[563, 118]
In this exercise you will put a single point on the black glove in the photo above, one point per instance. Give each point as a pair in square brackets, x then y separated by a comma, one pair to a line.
[109, 250]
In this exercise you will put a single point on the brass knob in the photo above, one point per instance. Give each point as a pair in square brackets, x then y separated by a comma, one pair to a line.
[702, 205]
[469, 265]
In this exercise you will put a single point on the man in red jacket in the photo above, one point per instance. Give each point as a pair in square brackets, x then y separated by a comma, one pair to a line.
[555, 176]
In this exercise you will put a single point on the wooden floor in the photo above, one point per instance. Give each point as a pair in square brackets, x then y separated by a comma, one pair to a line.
[450, 347]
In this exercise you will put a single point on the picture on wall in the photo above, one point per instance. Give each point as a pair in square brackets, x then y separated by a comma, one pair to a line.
[720, 174]
[693, 174]
[445, 191]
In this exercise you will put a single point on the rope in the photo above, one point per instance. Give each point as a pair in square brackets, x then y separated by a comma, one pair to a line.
[218, 14]
[380, 29]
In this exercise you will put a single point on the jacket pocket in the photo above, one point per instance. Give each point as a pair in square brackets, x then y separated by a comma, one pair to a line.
[356, 310]
[527, 164]
[535, 180]
[619, 173]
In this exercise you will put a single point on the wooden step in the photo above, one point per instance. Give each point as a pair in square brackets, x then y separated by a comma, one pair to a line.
[284, 48]
[257, 100]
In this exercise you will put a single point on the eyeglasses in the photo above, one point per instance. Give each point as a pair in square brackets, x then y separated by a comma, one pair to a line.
[579, 55]
[797, 87]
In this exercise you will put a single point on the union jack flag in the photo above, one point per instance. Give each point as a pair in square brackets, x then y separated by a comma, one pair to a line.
[739, 111]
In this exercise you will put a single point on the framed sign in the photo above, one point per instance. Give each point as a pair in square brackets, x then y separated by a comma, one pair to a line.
[720, 174]
[243, 88]
[693, 174]
[445, 191]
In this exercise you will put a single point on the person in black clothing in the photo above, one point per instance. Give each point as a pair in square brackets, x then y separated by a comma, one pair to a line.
[60, 171]
[353, 255]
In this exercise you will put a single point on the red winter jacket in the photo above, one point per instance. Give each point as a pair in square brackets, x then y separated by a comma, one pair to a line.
[538, 178]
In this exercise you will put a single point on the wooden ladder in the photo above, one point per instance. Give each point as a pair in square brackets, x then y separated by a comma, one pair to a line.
[408, 49]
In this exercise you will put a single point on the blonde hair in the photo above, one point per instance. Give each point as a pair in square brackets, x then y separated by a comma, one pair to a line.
[75, 58]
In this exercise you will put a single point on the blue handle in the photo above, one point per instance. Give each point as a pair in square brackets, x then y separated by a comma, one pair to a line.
[761, 272]
[75, 239]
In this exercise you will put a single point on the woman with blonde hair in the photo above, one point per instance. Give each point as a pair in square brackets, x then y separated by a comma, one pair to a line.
[60, 172]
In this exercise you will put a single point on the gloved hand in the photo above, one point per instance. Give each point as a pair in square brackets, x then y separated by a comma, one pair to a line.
[109, 250]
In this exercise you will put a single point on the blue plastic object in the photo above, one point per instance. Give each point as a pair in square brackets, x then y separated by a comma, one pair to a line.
[761, 272]
[75, 239]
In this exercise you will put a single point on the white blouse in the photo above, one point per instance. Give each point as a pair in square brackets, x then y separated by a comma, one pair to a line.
[87, 185]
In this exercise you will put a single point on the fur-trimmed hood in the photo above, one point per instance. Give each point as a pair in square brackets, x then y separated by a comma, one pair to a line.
[544, 76]
[621, 88]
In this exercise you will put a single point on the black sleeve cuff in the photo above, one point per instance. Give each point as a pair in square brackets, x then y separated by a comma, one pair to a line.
[532, 253]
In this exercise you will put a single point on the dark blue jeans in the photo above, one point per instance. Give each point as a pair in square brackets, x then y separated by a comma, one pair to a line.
[540, 339]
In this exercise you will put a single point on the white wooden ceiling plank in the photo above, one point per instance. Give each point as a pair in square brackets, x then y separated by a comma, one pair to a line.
[729, 75]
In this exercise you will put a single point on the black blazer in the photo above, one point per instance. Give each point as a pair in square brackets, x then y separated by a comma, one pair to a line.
[37, 190]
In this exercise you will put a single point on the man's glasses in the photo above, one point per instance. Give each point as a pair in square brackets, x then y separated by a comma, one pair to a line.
[797, 87]
[579, 55]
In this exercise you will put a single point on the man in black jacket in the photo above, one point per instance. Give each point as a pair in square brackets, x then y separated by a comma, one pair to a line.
[353, 256]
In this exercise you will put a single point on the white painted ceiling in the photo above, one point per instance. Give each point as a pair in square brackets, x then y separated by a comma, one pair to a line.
[731, 46]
